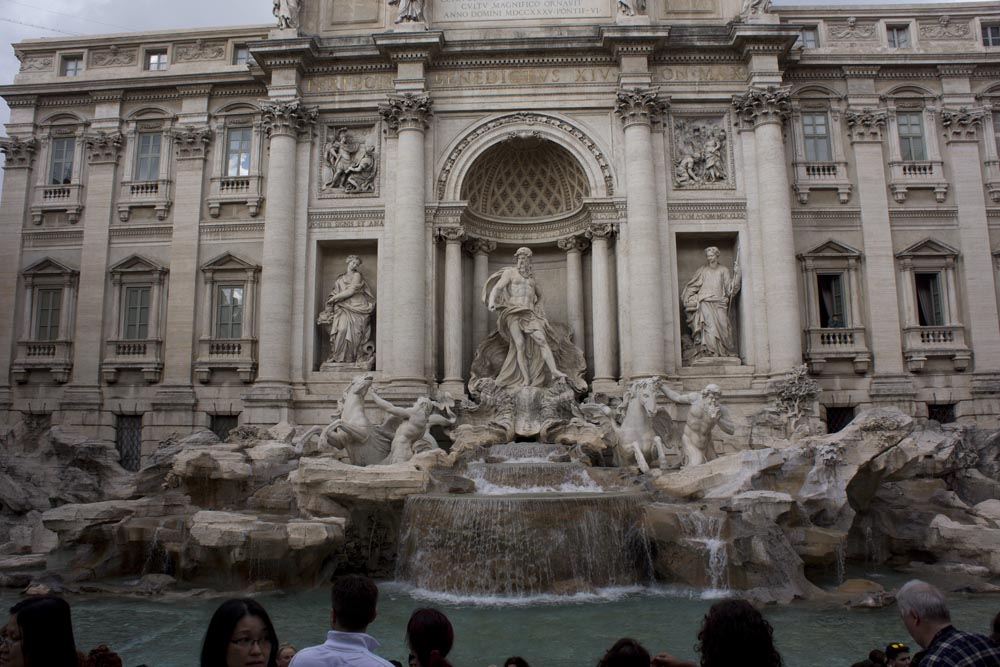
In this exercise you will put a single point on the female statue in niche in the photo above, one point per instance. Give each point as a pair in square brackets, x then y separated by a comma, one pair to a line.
[348, 313]
[707, 300]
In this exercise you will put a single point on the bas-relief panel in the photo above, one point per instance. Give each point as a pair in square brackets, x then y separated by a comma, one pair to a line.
[349, 160]
[701, 152]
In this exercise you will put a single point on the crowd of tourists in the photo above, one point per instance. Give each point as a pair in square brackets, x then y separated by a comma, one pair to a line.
[39, 633]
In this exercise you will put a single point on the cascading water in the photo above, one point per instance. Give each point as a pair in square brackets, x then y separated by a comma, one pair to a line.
[706, 531]
[532, 528]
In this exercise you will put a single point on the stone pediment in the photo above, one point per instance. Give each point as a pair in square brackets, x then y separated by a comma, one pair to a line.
[137, 264]
[928, 248]
[229, 262]
[831, 249]
[48, 267]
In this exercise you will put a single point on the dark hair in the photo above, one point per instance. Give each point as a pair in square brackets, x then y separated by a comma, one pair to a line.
[515, 661]
[354, 597]
[430, 636]
[734, 633]
[221, 627]
[877, 657]
[996, 628]
[625, 653]
[396, 663]
[895, 649]
[102, 656]
[46, 631]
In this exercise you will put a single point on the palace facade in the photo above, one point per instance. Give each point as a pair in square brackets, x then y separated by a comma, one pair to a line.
[178, 207]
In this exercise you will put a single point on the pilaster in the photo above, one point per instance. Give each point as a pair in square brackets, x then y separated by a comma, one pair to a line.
[574, 247]
[454, 336]
[603, 319]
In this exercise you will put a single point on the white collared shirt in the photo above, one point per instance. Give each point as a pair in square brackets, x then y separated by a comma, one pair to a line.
[342, 649]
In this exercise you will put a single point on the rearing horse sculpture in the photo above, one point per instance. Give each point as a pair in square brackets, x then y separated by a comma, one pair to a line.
[352, 431]
[637, 427]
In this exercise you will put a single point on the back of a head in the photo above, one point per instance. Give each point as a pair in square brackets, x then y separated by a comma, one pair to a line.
[923, 600]
[877, 658]
[354, 598]
[46, 631]
[625, 653]
[102, 656]
[515, 661]
[220, 631]
[734, 633]
[430, 636]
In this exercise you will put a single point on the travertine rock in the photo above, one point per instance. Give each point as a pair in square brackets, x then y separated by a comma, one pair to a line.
[339, 481]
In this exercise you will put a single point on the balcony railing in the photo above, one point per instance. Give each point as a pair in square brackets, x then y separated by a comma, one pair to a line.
[922, 343]
[144, 194]
[917, 175]
[55, 356]
[822, 176]
[237, 354]
[841, 344]
[66, 197]
[244, 190]
[144, 355]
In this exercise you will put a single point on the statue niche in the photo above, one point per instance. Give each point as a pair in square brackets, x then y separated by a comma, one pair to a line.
[349, 162]
[708, 302]
[347, 316]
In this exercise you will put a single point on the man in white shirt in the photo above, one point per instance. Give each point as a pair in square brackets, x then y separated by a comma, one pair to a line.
[347, 644]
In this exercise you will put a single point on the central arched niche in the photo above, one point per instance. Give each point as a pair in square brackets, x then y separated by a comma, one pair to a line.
[525, 178]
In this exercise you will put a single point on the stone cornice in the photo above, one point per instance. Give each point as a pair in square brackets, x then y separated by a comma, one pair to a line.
[333, 219]
[409, 46]
[638, 40]
[409, 111]
[640, 106]
[293, 53]
[702, 210]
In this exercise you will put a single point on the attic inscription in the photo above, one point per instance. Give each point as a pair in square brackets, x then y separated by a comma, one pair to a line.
[512, 10]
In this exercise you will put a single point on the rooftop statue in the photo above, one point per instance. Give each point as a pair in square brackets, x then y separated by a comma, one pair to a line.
[409, 10]
[287, 13]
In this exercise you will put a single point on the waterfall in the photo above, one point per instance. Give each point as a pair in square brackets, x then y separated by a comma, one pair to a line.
[706, 531]
[840, 553]
[526, 452]
[531, 477]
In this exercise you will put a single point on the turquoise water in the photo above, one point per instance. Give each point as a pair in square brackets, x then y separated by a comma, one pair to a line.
[550, 633]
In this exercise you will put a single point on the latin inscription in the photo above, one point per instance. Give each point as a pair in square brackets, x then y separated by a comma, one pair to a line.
[512, 10]
[524, 76]
[349, 83]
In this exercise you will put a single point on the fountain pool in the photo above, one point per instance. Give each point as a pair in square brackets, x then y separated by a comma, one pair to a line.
[548, 632]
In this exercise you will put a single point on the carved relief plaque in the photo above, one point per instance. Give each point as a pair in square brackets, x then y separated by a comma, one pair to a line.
[701, 153]
[349, 160]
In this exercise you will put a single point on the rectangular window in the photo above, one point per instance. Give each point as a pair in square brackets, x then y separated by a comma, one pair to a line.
[816, 130]
[899, 36]
[128, 441]
[241, 55]
[991, 35]
[911, 136]
[221, 425]
[62, 160]
[47, 314]
[71, 65]
[838, 418]
[238, 151]
[942, 413]
[147, 162]
[229, 312]
[810, 38]
[136, 313]
[930, 300]
[831, 300]
[156, 60]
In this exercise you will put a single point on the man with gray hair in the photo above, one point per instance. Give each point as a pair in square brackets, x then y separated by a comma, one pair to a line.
[926, 617]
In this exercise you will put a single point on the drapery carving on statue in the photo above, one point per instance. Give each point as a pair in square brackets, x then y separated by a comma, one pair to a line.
[701, 153]
[287, 12]
[705, 414]
[348, 315]
[632, 7]
[408, 10]
[708, 305]
[525, 350]
[349, 164]
[755, 7]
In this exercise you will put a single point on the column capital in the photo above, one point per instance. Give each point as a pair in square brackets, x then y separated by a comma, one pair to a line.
[19, 153]
[105, 147]
[603, 231]
[574, 243]
[450, 234]
[192, 142]
[759, 106]
[639, 106]
[287, 118]
[866, 125]
[962, 124]
[480, 246]
[409, 111]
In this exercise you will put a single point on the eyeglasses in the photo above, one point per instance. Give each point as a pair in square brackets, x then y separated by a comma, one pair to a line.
[246, 642]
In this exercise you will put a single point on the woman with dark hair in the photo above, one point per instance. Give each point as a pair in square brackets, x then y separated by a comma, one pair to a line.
[515, 661]
[240, 634]
[39, 633]
[625, 653]
[732, 633]
[430, 636]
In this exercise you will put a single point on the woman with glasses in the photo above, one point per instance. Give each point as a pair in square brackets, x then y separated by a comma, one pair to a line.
[39, 633]
[240, 634]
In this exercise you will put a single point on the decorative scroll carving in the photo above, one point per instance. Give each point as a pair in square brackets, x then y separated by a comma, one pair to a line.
[408, 11]
[350, 163]
[755, 7]
[944, 29]
[192, 143]
[763, 105]
[700, 155]
[113, 57]
[289, 118]
[865, 125]
[476, 246]
[602, 231]
[632, 7]
[962, 124]
[450, 234]
[36, 63]
[842, 31]
[577, 243]
[639, 105]
[199, 50]
[18, 153]
[409, 111]
[105, 147]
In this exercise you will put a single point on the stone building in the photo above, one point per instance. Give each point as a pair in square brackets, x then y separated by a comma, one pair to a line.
[178, 207]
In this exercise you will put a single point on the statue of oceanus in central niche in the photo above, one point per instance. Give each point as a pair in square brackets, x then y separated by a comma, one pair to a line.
[526, 350]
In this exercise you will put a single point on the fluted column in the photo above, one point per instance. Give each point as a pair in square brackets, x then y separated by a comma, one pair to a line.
[637, 108]
[600, 294]
[408, 115]
[283, 122]
[453, 311]
[574, 247]
[480, 250]
[766, 110]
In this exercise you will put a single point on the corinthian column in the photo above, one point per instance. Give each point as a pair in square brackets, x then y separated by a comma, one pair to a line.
[284, 122]
[766, 110]
[453, 311]
[600, 293]
[574, 247]
[480, 250]
[408, 115]
[638, 108]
